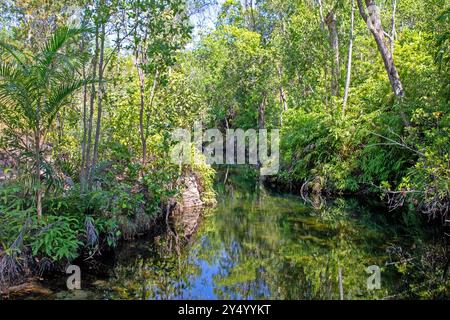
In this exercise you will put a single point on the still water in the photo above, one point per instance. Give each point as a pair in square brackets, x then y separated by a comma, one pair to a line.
[256, 247]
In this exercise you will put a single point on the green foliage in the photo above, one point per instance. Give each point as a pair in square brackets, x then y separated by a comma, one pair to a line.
[370, 145]
[205, 176]
[309, 147]
[235, 70]
[421, 272]
[58, 238]
[265, 64]
[35, 88]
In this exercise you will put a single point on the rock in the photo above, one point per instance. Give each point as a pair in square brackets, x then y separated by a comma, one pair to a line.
[191, 195]
[187, 211]
[188, 220]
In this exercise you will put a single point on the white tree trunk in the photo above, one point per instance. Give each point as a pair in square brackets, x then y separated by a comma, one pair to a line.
[349, 61]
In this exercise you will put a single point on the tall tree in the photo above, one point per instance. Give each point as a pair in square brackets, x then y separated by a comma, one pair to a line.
[349, 59]
[101, 89]
[331, 23]
[161, 28]
[99, 17]
[37, 87]
[85, 171]
[373, 21]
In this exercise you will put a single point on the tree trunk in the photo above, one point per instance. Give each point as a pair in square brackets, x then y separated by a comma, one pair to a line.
[349, 61]
[60, 125]
[150, 104]
[101, 92]
[373, 22]
[283, 100]
[37, 160]
[334, 42]
[261, 125]
[262, 113]
[139, 62]
[393, 32]
[88, 148]
[141, 116]
[322, 19]
[37, 150]
[83, 142]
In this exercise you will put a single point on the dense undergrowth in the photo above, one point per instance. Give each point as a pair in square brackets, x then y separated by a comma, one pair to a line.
[373, 151]
[82, 224]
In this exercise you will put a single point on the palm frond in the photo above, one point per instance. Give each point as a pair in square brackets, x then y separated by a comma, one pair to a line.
[7, 71]
[50, 60]
[15, 95]
[56, 42]
[10, 116]
[37, 87]
[60, 95]
[19, 57]
[445, 16]
[14, 90]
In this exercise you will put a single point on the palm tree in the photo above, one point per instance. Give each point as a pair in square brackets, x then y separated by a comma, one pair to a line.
[34, 88]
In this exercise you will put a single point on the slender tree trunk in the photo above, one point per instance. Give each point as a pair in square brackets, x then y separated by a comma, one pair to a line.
[141, 75]
[325, 66]
[101, 92]
[59, 126]
[393, 32]
[118, 49]
[83, 142]
[341, 286]
[252, 11]
[87, 170]
[262, 125]
[349, 61]
[283, 100]
[334, 42]
[37, 150]
[373, 22]
[141, 116]
[152, 99]
[322, 19]
[139, 62]
[262, 113]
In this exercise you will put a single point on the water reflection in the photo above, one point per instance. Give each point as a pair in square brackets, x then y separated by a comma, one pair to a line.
[261, 247]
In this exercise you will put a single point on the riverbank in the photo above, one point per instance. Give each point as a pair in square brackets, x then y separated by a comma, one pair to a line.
[265, 246]
[251, 217]
[79, 227]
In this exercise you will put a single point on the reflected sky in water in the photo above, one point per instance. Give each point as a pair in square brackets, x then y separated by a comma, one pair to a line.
[272, 247]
